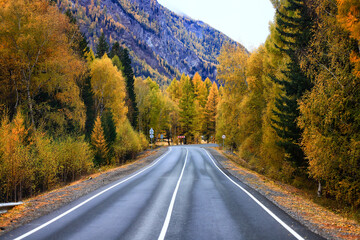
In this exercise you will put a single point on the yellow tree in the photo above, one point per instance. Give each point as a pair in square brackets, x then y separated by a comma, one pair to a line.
[252, 106]
[211, 112]
[99, 143]
[174, 90]
[200, 94]
[109, 88]
[349, 17]
[232, 74]
[330, 111]
[208, 84]
[15, 161]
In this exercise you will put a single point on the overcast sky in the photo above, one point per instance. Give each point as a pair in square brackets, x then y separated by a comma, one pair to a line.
[245, 21]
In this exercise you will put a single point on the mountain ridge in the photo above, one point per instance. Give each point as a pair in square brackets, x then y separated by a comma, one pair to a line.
[162, 44]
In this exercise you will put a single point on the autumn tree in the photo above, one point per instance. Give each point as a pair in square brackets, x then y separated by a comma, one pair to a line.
[187, 108]
[211, 112]
[15, 158]
[252, 107]
[232, 74]
[329, 112]
[349, 17]
[208, 84]
[200, 94]
[174, 90]
[99, 143]
[109, 89]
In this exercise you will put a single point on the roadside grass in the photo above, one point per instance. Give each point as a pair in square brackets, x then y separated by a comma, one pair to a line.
[327, 215]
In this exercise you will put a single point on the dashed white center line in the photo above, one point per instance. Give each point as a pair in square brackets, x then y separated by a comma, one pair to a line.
[172, 202]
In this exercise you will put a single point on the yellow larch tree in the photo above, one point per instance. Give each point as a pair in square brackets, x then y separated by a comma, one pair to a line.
[99, 143]
[211, 112]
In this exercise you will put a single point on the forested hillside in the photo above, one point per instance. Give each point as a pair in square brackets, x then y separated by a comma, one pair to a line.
[162, 44]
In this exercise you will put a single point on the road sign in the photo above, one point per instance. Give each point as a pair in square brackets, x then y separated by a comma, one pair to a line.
[151, 131]
[223, 136]
[162, 136]
[151, 136]
[181, 136]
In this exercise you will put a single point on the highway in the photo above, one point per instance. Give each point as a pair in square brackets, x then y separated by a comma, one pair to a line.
[184, 194]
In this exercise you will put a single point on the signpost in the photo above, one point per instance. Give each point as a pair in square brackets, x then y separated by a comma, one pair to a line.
[151, 135]
[181, 137]
[223, 137]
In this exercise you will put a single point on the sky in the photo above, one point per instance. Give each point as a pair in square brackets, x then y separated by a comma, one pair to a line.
[245, 21]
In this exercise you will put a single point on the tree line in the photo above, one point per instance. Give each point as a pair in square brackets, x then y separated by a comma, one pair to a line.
[291, 107]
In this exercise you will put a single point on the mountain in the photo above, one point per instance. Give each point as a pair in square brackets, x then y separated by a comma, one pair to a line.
[163, 45]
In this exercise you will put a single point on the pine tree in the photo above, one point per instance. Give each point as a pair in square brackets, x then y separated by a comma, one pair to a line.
[102, 47]
[294, 27]
[116, 50]
[108, 125]
[88, 98]
[99, 143]
[129, 80]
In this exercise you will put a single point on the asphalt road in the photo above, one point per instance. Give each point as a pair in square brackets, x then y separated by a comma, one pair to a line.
[182, 195]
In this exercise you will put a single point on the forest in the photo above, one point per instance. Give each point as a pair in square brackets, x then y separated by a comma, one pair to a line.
[289, 109]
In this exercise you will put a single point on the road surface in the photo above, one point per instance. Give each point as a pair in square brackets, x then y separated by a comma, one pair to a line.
[182, 195]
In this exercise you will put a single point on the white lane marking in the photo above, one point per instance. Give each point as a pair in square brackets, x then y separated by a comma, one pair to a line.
[171, 206]
[89, 199]
[295, 234]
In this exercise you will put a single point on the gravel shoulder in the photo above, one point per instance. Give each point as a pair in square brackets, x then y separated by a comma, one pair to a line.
[293, 201]
[48, 202]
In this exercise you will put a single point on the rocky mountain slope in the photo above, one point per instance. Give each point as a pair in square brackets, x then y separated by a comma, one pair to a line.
[162, 44]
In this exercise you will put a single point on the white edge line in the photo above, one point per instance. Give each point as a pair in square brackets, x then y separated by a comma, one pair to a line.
[172, 202]
[88, 200]
[295, 234]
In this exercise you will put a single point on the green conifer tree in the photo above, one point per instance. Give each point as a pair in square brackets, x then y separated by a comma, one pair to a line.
[293, 24]
[102, 47]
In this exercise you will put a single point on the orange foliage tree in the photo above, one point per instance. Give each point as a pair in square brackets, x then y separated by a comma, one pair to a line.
[349, 17]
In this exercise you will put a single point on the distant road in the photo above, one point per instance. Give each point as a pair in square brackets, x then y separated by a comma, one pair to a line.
[182, 195]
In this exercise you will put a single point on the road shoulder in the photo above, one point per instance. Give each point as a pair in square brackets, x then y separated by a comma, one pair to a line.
[293, 201]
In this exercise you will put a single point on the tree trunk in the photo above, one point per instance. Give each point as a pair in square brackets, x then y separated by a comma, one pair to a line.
[30, 103]
[319, 191]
